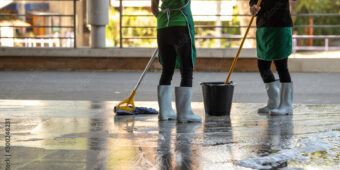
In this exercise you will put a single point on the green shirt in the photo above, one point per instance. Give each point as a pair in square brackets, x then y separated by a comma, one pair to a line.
[176, 17]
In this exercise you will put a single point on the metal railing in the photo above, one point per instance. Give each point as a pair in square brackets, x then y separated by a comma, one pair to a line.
[46, 40]
[326, 47]
[296, 47]
[70, 41]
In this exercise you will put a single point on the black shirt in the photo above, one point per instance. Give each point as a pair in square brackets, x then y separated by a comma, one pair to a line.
[273, 13]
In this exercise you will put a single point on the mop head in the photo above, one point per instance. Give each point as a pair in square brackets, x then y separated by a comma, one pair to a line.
[137, 111]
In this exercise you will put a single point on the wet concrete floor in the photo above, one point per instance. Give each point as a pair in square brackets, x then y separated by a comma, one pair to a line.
[46, 134]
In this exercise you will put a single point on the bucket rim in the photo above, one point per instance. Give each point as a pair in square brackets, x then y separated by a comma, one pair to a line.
[216, 83]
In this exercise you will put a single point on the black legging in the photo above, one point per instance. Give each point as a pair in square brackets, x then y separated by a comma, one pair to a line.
[281, 67]
[172, 42]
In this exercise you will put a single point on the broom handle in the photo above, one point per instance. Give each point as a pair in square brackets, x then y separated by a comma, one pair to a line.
[241, 46]
[146, 69]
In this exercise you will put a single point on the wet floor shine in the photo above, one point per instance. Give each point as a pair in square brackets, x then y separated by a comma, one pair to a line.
[65, 135]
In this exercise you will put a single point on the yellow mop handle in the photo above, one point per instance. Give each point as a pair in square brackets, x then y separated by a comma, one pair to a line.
[241, 46]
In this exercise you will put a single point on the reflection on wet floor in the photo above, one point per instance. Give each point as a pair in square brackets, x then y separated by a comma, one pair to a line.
[279, 133]
[87, 135]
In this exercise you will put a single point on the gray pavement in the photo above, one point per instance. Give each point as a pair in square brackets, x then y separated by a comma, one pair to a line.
[64, 120]
[310, 88]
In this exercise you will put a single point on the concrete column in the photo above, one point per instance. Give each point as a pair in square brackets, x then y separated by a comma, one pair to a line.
[98, 36]
[22, 10]
[80, 22]
[98, 17]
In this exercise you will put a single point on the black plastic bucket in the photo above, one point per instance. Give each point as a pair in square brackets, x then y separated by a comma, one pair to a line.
[217, 98]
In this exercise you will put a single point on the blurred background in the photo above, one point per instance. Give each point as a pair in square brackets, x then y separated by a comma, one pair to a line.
[219, 24]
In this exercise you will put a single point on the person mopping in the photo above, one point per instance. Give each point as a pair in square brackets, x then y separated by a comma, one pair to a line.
[274, 43]
[176, 44]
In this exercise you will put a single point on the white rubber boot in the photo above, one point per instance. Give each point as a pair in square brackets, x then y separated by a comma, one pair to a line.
[286, 103]
[166, 112]
[183, 105]
[273, 92]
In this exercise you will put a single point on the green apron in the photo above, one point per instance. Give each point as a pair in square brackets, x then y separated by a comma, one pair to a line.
[186, 12]
[273, 43]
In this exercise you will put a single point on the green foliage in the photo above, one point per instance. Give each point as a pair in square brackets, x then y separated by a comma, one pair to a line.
[206, 32]
[113, 33]
[113, 28]
[301, 6]
[318, 7]
[5, 18]
[232, 31]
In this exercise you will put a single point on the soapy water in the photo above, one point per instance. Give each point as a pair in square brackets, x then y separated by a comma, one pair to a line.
[327, 144]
